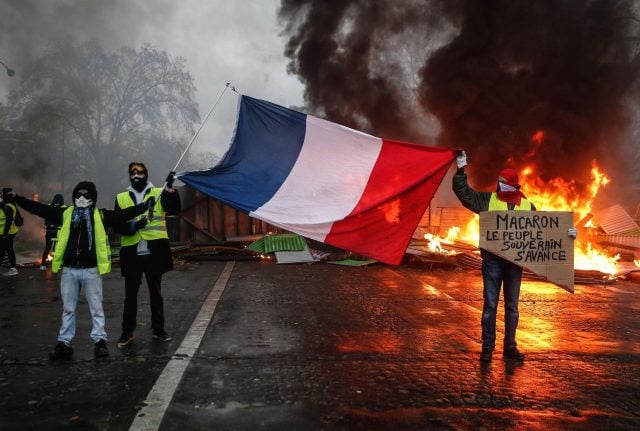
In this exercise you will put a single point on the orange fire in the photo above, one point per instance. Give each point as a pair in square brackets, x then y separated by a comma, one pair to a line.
[561, 195]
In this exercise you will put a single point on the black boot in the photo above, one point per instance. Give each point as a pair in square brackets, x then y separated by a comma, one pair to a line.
[486, 354]
[100, 349]
[61, 351]
[513, 354]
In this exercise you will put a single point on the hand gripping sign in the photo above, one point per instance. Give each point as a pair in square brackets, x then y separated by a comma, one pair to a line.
[535, 240]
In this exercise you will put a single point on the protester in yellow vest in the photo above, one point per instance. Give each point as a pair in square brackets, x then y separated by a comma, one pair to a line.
[147, 251]
[8, 230]
[496, 271]
[84, 255]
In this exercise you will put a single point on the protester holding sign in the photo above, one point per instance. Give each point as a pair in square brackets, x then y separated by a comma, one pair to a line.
[496, 271]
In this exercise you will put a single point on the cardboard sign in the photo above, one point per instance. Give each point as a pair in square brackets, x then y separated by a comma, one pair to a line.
[535, 240]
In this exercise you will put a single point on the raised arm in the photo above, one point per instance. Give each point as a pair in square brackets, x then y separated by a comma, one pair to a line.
[42, 210]
[472, 200]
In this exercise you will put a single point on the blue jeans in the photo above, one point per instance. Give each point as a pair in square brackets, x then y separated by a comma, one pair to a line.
[89, 280]
[497, 272]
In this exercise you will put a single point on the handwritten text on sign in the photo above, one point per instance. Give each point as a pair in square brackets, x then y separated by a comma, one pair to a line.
[536, 240]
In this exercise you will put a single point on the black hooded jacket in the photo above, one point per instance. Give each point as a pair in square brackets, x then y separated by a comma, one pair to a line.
[58, 201]
[78, 253]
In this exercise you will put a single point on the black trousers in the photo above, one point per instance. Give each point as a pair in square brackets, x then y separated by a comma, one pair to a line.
[132, 283]
[6, 247]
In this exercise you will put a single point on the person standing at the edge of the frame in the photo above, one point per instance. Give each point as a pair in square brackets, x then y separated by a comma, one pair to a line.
[147, 251]
[8, 229]
[496, 271]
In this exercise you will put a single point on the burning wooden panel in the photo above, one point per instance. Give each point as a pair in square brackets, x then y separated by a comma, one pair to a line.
[614, 220]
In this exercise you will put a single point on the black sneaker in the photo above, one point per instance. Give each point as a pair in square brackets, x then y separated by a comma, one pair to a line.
[161, 336]
[100, 349]
[486, 354]
[125, 339]
[514, 354]
[61, 351]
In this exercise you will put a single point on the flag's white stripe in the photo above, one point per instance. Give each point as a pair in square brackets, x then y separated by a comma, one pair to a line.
[327, 181]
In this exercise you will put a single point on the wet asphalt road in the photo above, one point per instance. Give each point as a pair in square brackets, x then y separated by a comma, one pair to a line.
[326, 347]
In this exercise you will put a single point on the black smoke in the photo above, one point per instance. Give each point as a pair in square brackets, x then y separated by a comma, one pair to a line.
[494, 73]
[359, 61]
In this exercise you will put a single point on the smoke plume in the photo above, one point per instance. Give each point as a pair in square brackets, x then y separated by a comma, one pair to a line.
[360, 60]
[547, 82]
[29, 25]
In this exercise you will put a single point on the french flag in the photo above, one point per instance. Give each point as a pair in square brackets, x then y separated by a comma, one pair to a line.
[325, 181]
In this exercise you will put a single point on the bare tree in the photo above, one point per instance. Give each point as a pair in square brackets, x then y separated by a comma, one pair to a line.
[118, 106]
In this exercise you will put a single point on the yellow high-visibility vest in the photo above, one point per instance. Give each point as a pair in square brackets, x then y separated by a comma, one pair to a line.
[13, 229]
[100, 239]
[496, 204]
[155, 229]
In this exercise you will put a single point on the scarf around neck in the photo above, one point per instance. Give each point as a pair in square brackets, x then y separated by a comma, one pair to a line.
[509, 194]
[81, 215]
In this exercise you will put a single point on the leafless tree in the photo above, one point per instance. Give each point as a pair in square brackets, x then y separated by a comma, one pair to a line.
[113, 107]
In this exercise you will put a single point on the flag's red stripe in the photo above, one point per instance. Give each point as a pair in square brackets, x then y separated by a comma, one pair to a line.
[382, 223]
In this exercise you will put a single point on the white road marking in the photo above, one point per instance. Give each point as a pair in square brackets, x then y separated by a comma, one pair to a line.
[158, 399]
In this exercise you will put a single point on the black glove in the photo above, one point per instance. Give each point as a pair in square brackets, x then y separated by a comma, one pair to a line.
[141, 223]
[151, 202]
[136, 225]
[170, 179]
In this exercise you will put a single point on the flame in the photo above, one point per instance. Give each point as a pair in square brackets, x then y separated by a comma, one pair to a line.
[435, 242]
[587, 257]
[561, 195]
[49, 259]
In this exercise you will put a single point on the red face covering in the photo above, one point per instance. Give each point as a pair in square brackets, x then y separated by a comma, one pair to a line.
[509, 177]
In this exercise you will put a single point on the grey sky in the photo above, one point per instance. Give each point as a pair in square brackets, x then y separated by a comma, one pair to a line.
[222, 41]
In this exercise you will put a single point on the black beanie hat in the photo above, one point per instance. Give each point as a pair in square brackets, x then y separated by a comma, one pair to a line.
[90, 187]
[58, 199]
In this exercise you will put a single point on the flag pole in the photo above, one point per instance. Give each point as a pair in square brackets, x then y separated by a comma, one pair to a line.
[195, 135]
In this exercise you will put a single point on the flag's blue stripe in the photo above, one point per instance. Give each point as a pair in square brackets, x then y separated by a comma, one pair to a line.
[266, 145]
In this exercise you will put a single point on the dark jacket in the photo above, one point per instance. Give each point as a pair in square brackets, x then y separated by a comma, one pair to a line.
[471, 199]
[161, 259]
[51, 227]
[78, 253]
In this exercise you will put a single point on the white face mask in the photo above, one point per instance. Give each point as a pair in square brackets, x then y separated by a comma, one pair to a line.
[82, 202]
[506, 187]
